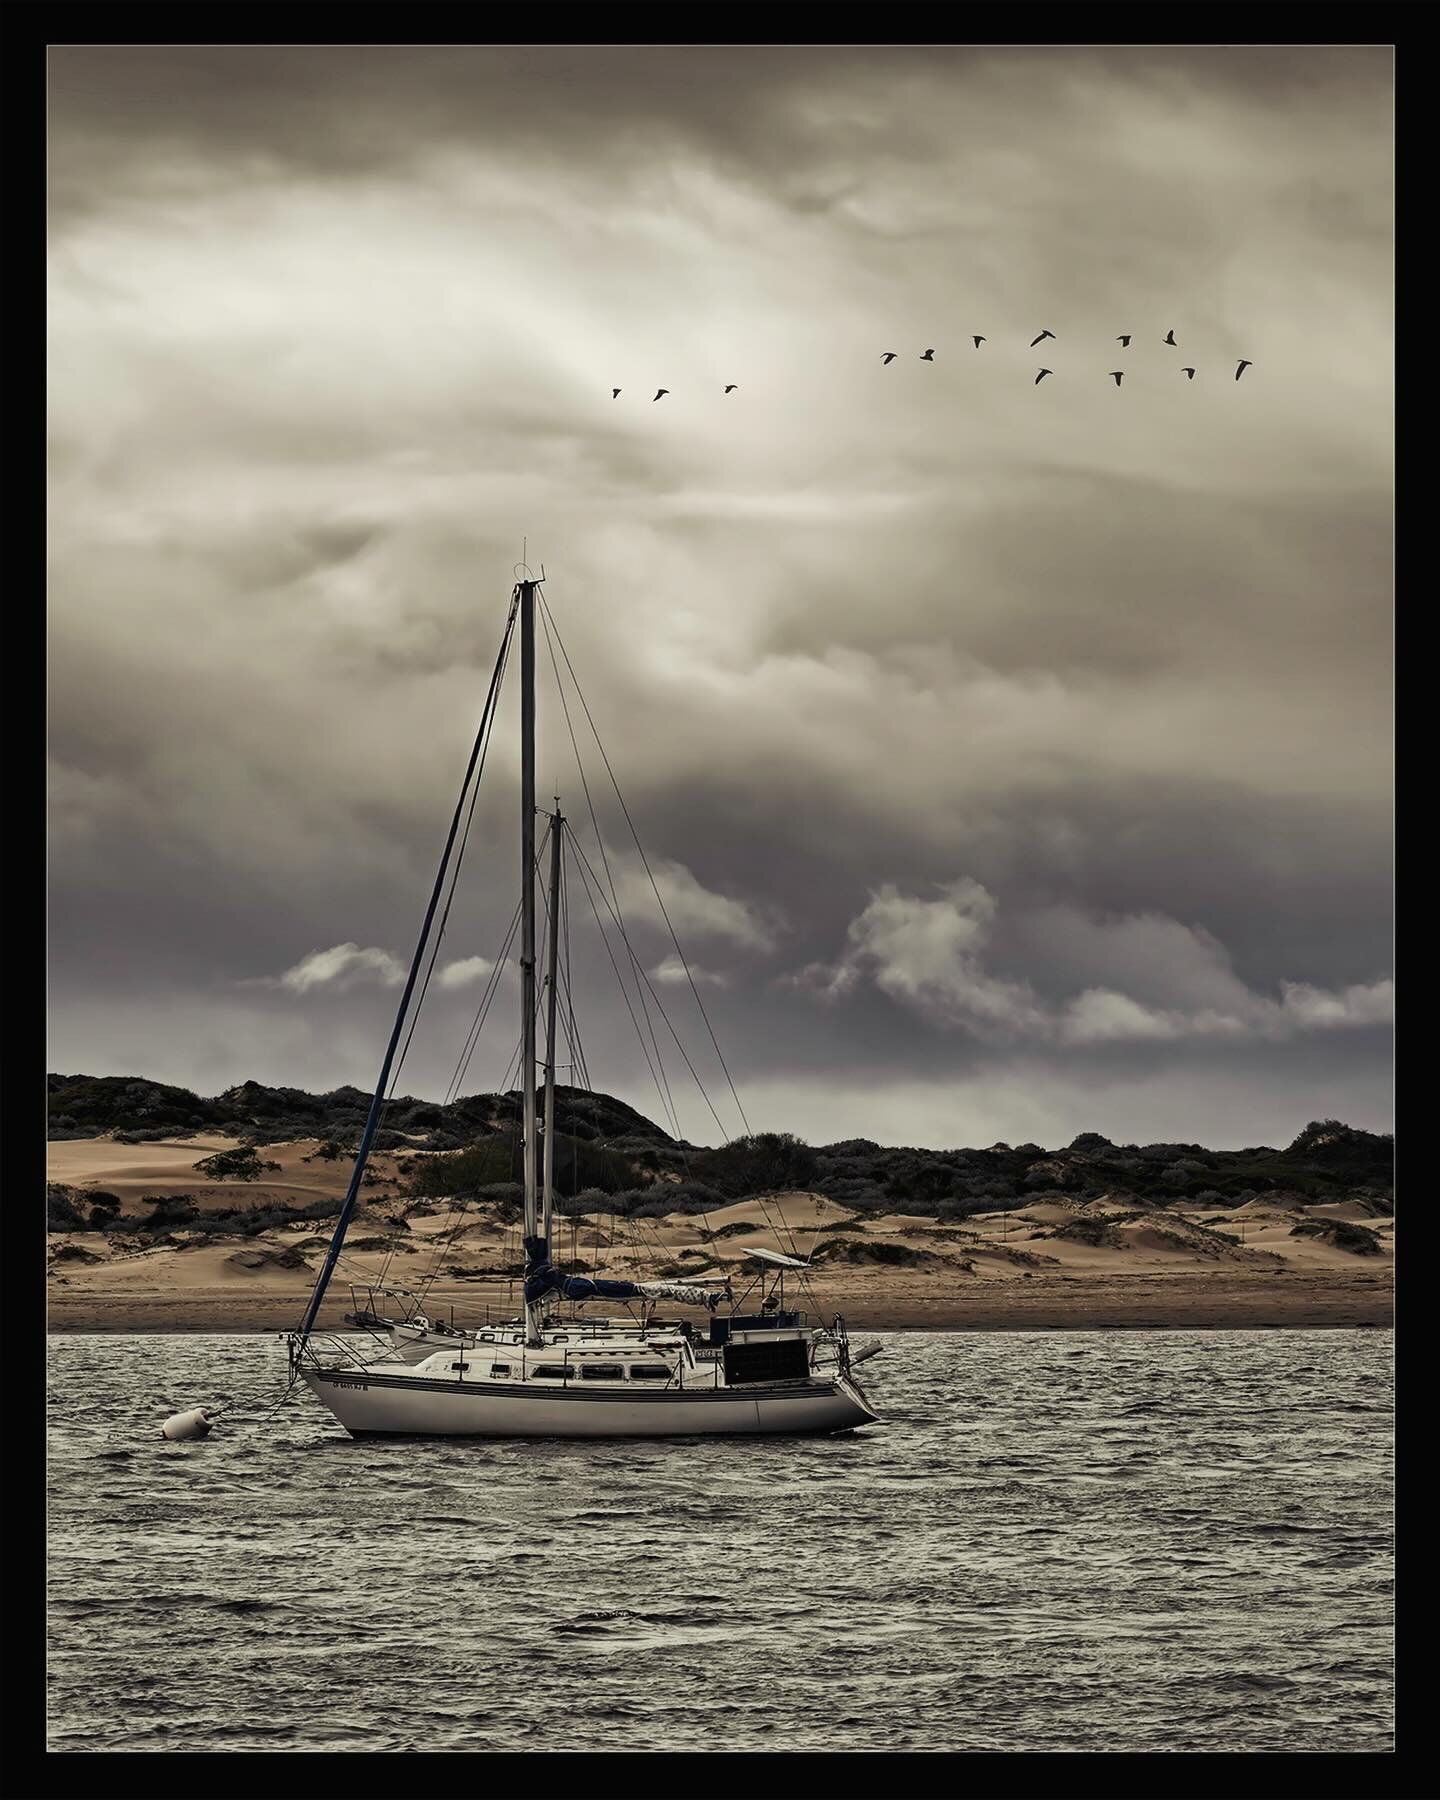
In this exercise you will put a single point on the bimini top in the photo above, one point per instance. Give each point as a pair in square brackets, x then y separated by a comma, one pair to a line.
[774, 1256]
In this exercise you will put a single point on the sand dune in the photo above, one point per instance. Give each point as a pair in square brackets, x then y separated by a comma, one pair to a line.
[136, 1173]
[1355, 1211]
[1108, 1204]
[98, 1162]
[1049, 1260]
[797, 1211]
[1041, 1212]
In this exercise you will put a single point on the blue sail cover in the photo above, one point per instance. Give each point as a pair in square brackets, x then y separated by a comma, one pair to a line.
[542, 1277]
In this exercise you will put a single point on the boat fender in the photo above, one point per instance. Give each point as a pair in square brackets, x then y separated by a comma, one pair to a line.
[183, 1425]
[871, 1347]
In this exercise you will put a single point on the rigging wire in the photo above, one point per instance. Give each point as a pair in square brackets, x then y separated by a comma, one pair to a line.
[458, 1209]
[605, 860]
[482, 1011]
[477, 1025]
[486, 733]
[549, 619]
[377, 1103]
[496, 681]
[452, 1091]
[588, 877]
[625, 995]
[572, 1035]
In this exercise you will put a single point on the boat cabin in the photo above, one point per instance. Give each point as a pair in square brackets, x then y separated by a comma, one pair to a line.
[655, 1362]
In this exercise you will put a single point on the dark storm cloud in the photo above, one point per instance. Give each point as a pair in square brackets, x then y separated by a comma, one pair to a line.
[133, 115]
[787, 115]
[333, 328]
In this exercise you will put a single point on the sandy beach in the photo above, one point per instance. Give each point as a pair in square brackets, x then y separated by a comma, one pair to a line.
[1049, 1265]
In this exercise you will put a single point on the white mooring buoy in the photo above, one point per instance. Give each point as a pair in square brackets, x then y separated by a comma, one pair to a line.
[192, 1424]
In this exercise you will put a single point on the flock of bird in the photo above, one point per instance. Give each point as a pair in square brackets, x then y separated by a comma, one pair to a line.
[1117, 375]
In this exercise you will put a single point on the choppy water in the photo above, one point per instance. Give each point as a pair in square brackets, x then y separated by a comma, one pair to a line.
[1055, 1541]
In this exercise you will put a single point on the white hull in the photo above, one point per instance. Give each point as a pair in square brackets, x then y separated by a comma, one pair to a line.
[397, 1401]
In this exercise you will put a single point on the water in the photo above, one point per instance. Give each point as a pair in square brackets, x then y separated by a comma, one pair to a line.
[1055, 1541]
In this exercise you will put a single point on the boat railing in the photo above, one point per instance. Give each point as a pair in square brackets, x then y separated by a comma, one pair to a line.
[308, 1348]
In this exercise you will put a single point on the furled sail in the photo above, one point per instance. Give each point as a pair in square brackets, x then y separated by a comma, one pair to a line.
[542, 1278]
[684, 1292]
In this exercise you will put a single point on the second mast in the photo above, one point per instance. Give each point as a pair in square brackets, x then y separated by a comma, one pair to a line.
[527, 918]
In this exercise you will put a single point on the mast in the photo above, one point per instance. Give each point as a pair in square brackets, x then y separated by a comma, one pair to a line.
[377, 1103]
[547, 1208]
[527, 922]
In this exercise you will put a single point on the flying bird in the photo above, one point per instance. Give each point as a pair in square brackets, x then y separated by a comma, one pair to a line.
[1043, 334]
[1041, 376]
[732, 387]
[614, 393]
[888, 357]
[1244, 365]
[1124, 341]
[927, 356]
[1170, 336]
[978, 342]
[1189, 374]
[1117, 373]
[660, 394]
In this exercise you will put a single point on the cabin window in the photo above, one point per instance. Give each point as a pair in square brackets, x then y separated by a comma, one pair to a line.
[487, 1337]
[459, 1368]
[499, 1368]
[602, 1372]
[649, 1372]
[548, 1372]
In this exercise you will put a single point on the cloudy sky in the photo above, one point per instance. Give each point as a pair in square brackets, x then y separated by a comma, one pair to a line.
[1014, 760]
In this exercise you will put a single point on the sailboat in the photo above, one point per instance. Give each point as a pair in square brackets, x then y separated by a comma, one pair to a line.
[762, 1371]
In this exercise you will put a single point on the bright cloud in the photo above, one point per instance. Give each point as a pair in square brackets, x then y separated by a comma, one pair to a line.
[694, 910]
[932, 955]
[1316, 1009]
[465, 972]
[927, 952]
[671, 973]
[342, 966]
